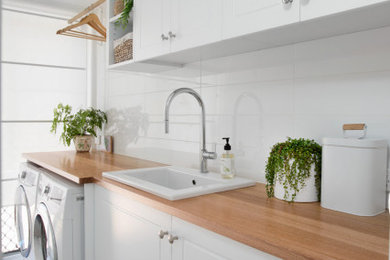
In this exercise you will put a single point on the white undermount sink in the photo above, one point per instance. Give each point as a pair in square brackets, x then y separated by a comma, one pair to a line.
[174, 183]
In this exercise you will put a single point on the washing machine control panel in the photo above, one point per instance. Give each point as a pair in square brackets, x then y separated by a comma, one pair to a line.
[56, 195]
[28, 177]
[51, 193]
[46, 190]
[23, 174]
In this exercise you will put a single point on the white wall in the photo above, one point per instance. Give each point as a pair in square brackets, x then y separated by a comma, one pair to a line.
[303, 90]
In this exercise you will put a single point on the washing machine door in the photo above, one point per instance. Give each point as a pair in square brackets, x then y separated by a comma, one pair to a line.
[23, 221]
[45, 247]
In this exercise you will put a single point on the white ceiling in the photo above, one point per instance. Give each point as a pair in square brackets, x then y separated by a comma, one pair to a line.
[61, 7]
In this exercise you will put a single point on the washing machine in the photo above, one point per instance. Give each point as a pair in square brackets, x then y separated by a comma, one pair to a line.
[25, 205]
[59, 219]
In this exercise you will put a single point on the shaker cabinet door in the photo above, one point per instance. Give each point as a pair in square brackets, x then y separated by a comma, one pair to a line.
[316, 8]
[151, 21]
[194, 243]
[241, 17]
[126, 230]
[195, 23]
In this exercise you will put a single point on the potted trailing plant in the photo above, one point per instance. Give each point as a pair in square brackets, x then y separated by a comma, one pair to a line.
[123, 20]
[293, 171]
[79, 127]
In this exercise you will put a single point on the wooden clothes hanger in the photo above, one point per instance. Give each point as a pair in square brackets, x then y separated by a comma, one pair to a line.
[93, 21]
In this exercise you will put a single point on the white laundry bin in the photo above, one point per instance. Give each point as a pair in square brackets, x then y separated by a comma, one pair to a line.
[354, 175]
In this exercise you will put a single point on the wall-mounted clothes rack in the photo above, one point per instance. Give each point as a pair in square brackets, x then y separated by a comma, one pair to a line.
[91, 19]
[86, 11]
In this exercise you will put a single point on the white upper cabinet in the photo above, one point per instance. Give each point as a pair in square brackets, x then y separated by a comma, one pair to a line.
[316, 8]
[171, 33]
[151, 26]
[195, 23]
[242, 17]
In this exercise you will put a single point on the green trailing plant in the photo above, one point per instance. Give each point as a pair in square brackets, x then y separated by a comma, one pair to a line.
[290, 164]
[123, 20]
[84, 122]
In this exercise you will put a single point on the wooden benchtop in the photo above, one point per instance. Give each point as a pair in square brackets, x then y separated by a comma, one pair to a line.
[289, 231]
[86, 167]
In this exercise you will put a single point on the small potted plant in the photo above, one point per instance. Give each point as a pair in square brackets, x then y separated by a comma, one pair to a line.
[126, 7]
[293, 171]
[79, 127]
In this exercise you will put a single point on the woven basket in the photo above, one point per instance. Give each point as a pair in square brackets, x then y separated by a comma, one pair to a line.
[123, 48]
[118, 7]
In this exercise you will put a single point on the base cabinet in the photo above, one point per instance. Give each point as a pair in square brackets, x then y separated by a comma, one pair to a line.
[196, 243]
[126, 229]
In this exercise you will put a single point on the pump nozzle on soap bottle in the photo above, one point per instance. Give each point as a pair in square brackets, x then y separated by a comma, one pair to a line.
[227, 161]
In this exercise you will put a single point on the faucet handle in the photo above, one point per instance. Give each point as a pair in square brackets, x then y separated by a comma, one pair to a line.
[210, 155]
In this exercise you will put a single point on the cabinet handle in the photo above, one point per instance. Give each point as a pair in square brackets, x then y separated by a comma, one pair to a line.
[163, 37]
[172, 239]
[286, 2]
[171, 34]
[162, 234]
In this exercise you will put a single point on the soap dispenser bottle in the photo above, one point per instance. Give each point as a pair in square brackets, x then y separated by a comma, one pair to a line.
[227, 161]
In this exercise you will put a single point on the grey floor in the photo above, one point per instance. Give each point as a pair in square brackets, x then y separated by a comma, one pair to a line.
[16, 256]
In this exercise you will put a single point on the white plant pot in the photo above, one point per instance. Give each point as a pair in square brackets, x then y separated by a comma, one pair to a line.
[307, 194]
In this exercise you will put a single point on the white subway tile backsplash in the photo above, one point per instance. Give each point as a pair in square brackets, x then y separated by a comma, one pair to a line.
[125, 84]
[272, 97]
[350, 94]
[304, 90]
[351, 53]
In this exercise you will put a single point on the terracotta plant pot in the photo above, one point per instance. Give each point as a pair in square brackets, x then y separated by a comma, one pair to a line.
[83, 143]
[118, 7]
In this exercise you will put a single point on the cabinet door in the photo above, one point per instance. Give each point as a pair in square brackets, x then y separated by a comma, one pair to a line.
[151, 20]
[195, 23]
[316, 8]
[196, 243]
[242, 17]
[123, 230]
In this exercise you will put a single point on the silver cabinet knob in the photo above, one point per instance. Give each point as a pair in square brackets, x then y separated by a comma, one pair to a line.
[162, 233]
[163, 37]
[172, 239]
[286, 2]
[171, 34]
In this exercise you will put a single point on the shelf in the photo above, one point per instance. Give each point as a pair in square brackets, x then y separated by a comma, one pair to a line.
[143, 66]
[119, 64]
[115, 18]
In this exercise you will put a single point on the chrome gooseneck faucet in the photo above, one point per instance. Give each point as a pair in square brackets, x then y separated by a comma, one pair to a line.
[205, 155]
